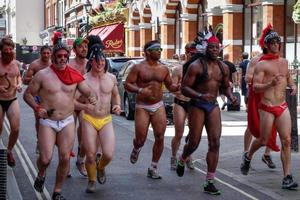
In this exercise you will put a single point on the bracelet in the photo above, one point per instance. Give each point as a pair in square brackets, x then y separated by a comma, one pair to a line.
[139, 90]
[199, 95]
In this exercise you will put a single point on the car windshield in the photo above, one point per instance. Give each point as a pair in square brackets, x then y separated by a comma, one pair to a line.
[118, 63]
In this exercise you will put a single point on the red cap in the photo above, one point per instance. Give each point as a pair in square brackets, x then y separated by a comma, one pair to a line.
[213, 39]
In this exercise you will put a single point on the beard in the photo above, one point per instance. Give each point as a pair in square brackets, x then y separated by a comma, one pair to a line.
[7, 57]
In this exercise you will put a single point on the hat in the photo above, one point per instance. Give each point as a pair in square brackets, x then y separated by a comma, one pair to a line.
[79, 41]
[267, 35]
[58, 44]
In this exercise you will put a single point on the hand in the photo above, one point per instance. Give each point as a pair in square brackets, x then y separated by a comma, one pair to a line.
[146, 91]
[89, 108]
[116, 109]
[41, 112]
[3, 89]
[92, 100]
[19, 88]
[208, 97]
[293, 90]
[276, 79]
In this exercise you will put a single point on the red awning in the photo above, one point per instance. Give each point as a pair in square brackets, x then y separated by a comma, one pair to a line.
[112, 37]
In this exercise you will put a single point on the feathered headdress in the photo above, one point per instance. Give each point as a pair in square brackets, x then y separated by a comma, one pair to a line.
[267, 35]
[57, 43]
[93, 39]
[204, 37]
[96, 51]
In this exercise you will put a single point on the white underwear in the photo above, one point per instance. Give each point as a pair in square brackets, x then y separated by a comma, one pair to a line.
[57, 125]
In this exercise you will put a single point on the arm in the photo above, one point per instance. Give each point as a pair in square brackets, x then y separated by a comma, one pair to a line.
[171, 85]
[250, 72]
[116, 100]
[78, 104]
[176, 76]
[291, 83]
[188, 81]
[226, 84]
[87, 92]
[130, 83]
[28, 76]
[258, 84]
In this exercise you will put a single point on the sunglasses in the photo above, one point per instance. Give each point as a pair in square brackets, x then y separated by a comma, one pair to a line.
[62, 55]
[156, 49]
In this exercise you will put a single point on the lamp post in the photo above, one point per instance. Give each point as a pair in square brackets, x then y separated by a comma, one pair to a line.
[87, 7]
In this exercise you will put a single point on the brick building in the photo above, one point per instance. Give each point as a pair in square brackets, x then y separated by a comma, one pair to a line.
[239, 23]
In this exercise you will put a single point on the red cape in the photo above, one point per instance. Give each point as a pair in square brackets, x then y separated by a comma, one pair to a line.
[253, 118]
[268, 57]
[68, 75]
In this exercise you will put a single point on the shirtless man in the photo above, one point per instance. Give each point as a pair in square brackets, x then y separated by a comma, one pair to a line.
[202, 82]
[10, 83]
[271, 77]
[146, 80]
[56, 113]
[37, 65]
[97, 120]
[253, 122]
[180, 110]
[80, 48]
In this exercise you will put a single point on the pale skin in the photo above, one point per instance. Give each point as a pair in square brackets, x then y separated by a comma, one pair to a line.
[10, 84]
[104, 84]
[272, 81]
[79, 63]
[146, 79]
[34, 67]
[209, 91]
[248, 78]
[59, 97]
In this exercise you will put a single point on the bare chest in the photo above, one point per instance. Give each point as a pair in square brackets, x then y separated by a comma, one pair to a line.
[101, 86]
[149, 75]
[10, 71]
[53, 85]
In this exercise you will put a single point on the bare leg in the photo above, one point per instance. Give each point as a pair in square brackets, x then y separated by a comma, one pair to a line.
[107, 141]
[13, 115]
[179, 117]
[247, 139]
[141, 127]
[65, 141]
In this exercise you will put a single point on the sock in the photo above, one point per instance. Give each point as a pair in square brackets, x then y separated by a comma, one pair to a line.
[210, 176]
[102, 163]
[80, 159]
[153, 165]
[91, 171]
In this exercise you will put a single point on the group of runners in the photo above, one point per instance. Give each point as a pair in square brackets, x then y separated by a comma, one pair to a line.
[79, 94]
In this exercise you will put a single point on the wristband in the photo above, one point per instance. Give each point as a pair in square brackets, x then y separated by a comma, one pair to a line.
[199, 95]
[139, 90]
[37, 108]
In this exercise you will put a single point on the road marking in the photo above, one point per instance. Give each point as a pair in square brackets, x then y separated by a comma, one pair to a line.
[229, 185]
[19, 150]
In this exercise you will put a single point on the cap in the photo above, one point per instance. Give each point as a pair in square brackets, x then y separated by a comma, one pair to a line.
[79, 41]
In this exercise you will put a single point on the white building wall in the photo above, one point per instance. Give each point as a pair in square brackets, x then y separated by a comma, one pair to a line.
[29, 21]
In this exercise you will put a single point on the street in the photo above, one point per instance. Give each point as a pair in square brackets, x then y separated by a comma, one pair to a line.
[127, 181]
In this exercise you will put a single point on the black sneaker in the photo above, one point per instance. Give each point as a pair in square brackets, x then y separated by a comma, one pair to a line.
[268, 160]
[210, 188]
[39, 183]
[153, 173]
[10, 159]
[180, 168]
[134, 155]
[288, 183]
[245, 166]
[224, 105]
[57, 196]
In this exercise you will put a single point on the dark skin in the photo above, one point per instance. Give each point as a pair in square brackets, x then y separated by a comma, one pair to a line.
[208, 91]
[147, 79]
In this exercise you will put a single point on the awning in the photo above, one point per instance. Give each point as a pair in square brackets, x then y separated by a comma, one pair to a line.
[112, 37]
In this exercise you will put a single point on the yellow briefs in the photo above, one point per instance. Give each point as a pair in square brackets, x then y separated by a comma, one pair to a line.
[97, 123]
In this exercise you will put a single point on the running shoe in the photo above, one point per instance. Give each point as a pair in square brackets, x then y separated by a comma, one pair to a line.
[98, 157]
[180, 168]
[245, 166]
[101, 176]
[10, 159]
[153, 173]
[210, 188]
[134, 155]
[90, 187]
[39, 183]
[57, 196]
[288, 183]
[81, 168]
[268, 160]
[173, 163]
[190, 164]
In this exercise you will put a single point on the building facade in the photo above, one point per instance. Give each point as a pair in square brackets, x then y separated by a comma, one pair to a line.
[238, 24]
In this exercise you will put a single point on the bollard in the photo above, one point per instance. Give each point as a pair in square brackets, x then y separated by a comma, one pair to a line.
[3, 173]
[292, 103]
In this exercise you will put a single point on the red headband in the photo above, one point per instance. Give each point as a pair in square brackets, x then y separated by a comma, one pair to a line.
[213, 39]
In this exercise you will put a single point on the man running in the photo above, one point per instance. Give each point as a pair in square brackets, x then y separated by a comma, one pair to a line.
[146, 79]
[56, 86]
[80, 48]
[180, 109]
[10, 83]
[271, 77]
[37, 65]
[202, 82]
[97, 120]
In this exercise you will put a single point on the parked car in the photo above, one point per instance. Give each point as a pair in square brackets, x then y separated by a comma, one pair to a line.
[116, 63]
[128, 98]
